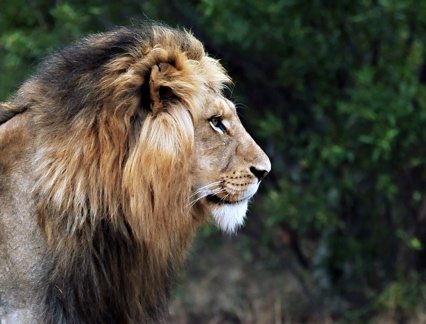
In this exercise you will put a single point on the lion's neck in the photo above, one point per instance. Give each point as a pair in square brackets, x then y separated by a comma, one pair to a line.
[113, 204]
[108, 262]
[104, 275]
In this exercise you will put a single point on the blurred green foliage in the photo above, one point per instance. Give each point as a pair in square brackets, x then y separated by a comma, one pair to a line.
[337, 97]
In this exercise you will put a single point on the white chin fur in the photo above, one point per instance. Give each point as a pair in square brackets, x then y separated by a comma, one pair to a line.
[229, 217]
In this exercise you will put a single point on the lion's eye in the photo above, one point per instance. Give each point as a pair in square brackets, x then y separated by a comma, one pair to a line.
[216, 122]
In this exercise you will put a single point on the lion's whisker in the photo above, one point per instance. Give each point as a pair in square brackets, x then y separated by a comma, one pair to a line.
[214, 192]
[226, 196]
[208, 186]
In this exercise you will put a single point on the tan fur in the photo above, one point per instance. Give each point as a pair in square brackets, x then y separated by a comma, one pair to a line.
[8, 110]
[118, 174]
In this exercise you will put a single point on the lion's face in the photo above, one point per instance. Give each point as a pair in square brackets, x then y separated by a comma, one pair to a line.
[230, 165]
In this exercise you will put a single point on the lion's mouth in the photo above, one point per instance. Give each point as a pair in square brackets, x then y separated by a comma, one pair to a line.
[222, 201]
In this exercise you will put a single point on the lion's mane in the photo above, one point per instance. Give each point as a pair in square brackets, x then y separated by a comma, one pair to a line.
[113, 117]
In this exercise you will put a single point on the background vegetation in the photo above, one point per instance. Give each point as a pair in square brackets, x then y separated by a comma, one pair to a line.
[336, 93]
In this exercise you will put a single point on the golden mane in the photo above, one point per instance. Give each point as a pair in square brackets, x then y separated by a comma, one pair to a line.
[114, 118]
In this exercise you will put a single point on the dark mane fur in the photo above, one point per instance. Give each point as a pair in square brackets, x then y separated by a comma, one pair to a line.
[93, 289]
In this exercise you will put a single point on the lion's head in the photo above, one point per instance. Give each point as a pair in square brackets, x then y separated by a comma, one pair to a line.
[229, 164]
[134, 146]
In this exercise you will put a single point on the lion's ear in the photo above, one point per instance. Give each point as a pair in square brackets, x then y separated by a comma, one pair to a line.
[160, 91]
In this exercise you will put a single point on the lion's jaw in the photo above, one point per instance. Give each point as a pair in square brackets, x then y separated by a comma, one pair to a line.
[230, 164]
[230, 217]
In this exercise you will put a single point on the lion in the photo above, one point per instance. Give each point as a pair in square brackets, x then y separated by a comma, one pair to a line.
[112, 155]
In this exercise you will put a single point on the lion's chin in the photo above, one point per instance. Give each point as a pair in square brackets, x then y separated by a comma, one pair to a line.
[230, 217]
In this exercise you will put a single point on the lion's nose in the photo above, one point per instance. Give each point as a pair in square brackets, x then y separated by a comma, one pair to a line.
[260, 173]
